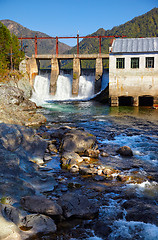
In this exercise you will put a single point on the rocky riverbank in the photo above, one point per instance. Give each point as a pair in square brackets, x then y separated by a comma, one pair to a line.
[37, 199]
[16, 108]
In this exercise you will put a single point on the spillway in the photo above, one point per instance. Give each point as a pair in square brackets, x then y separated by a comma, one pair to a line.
[64, 88]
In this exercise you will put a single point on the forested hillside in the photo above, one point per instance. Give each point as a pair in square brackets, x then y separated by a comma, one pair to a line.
[143, 26]
[44, 46]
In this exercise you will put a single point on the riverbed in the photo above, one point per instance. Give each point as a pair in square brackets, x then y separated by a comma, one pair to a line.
[128, 209]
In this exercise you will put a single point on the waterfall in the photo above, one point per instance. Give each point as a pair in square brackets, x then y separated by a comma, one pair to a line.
[64, 88]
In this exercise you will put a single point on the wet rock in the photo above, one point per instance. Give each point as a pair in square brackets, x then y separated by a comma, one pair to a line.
[47, 157]
[40, 204]
[52, 148]
[85, 170]
[59, 133]
[77, 141]
[104, 154]
[99, 178]
[11, 213]
[37, 223]
[74, 168]
[125, 151]
[79, 206]
[108, 171]
[138, 210]
[74, 185]
[122, 178]
[70, 158]
[93, 153]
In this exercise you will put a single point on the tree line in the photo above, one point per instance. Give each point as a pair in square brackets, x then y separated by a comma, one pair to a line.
[10, 52]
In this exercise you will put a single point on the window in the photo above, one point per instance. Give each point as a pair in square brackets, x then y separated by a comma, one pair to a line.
[149, 62]
[134, 62]
[120, 63]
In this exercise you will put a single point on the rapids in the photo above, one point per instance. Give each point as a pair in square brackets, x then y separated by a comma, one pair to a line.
[127, 211]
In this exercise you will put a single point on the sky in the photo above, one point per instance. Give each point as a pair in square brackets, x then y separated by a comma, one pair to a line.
[68, 17]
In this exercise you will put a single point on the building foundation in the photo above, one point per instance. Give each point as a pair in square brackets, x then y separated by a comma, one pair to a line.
[114, 101]
[135, 101]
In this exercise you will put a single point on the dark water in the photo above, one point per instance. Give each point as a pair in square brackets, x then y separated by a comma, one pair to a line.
[127, 211]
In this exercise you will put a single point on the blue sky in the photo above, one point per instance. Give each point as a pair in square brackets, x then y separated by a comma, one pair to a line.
[67, 17]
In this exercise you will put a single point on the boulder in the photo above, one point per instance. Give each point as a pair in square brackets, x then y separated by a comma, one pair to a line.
[40, 204]
[79, 206]
[137, 210]
[11, 95]
[16, 138]
[37, 223]
[87, 170]
[11, 213]
[93, 153]
[125, 151]
[77, 141]
[70, 158]
[17, 109]
[20, 149]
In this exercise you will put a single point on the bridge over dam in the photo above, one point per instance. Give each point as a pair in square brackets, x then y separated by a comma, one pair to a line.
[34, 65]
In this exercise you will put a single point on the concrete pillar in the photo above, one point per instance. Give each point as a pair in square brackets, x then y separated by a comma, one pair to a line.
[155, 102]
[76, 76]
[54, 75]
[98, 74]
[33, 68]
[135, 101]
[114, 101]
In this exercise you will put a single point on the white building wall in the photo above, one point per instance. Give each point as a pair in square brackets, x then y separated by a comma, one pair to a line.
[133, 82]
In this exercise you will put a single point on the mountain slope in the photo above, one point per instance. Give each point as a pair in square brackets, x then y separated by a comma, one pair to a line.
[44, 46]
[145, 25]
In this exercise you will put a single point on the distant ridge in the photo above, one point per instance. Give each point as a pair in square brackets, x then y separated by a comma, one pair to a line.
[44, 46]
[145, 25]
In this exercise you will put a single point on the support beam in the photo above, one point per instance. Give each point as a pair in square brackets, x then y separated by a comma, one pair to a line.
[76, 76]
[114, 101]
[36, 45]
[33, 68]
[98, 74]
[135, 101]
[54, 75]
[57, 47]
[77, 44]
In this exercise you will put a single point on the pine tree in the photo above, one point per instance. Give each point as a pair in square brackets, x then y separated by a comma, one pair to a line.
[10, 53]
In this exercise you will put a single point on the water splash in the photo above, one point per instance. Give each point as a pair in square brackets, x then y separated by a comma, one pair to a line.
[64, 88]
[122, 229]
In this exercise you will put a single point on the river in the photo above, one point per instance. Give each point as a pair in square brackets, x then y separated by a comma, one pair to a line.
[128, 209]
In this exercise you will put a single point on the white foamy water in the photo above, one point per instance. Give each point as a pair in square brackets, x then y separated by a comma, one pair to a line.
[142, 147]
[124, 230]
[145, 188]
[41, 89]
[64, 88]
[41, 92]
